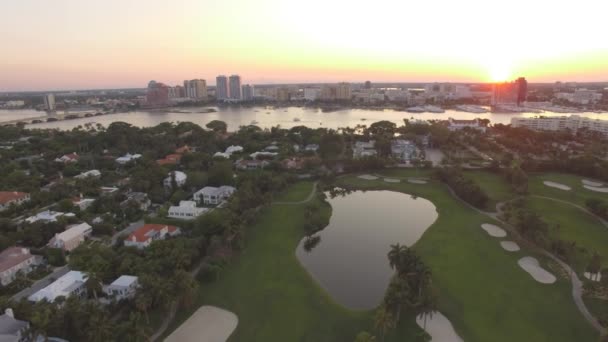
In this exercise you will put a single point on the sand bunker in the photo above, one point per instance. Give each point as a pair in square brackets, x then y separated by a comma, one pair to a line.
[595, 188]
[368, 177]
[391, 180]
[531, 265]
[207, 324]
[493, 230]
[557, 185]
[593, 276]
[592, 183]
[439, 327]
[416, 181]
[509, 246]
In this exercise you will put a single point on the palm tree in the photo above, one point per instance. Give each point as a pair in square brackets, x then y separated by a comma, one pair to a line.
[383, 321]
[595, 266]
[143, 301]
[93, 284]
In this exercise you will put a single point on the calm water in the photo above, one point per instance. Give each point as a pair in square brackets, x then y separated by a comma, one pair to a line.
[239, 116]
[350, 261]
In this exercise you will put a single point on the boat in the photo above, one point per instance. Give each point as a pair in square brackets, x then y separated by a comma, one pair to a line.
[363, 119]
[416, 109]
[254, 122]
[434, 109]
[472, 109]
[296, 119]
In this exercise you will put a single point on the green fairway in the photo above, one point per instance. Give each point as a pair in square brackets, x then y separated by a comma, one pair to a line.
[577, 195]
[574, 225]
[493, 184]
[483, 291]
[297, 192]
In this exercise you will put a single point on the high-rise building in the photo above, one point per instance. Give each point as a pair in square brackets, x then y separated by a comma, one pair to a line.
[221, 87]
[49, 102]
[157, 94]
[176, 92]
[282, 94]
[343, 91]
[510, 92]
[368, 85]
[248, 92]
[196, 89]
[235, 88]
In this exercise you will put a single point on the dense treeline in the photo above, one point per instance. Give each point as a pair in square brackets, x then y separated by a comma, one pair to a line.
[464, 187]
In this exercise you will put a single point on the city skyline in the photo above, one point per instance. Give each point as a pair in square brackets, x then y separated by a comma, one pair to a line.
[75, 45]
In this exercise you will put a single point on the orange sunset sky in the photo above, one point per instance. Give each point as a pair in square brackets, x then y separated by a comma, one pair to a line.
[78, 44]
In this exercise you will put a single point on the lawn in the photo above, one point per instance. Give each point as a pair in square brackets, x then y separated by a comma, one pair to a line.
[577, 195]
[574, 225]
[493, 184]
[297, 192]
[482, 289]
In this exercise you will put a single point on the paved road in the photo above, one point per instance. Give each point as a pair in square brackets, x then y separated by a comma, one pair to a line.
[577, 285]
[42, 283]
[132, 227]
[306, 200]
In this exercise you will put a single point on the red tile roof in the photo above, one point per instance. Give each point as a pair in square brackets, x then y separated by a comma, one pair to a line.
[141, 234]
[170, 159]
[183, 149]
[9, 196]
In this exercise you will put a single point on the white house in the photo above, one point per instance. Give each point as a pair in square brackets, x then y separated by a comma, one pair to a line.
[180, 179]
[234, 149]
[363, 149]
[15, 260]
[11, 329]
[127, 158]
[403, 150]
[122, 288]
[455, 125]
[8, 198]
[146, 234]
[83, 203]
[186, 210]
[212, 195]
[72, 237]
[47, 216]
[311, 148]
[87, 174]
[263, 154]
[221, 155]
[68, 158]
[70, 284]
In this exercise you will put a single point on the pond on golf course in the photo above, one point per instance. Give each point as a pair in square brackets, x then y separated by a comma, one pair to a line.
[350, 260]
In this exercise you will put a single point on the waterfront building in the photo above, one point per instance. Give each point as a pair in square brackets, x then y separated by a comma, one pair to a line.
[248, 92]
[221, 87]
[561, 123]
[195, 89]
[157, 94]
[510, 93]
[49, 102]
[235, 88]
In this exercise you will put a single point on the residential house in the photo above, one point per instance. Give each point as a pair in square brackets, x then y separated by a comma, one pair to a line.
[47, 216]
[15, 260]
[82, 203]
[144, 235]
[108, 190]
[68, 158]
[141, 199]
[251, 164]
[221, 155]
[455, 125]
[170, 159]
[210, 195]
[87, 174]
[271, 148]
[183, 149]
[311, 148]
[124, 287]
[186, 210]
[127, 158]
[363, 149]
[263, 155]
[180, 179]
[72, 237]
[234, 149]
[68, 285]
[8, 198]
[403, 150]
[11, 329]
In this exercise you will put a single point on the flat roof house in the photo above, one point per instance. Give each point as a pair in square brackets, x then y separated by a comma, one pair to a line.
[122, 288]
[127, 158]
[186, 210]
[146, 234]
[8, 198]
[11, 329]
[70, 284]
[211, 195]
[15, 260]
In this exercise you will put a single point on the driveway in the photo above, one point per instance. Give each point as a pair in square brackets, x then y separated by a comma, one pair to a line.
[42, 283]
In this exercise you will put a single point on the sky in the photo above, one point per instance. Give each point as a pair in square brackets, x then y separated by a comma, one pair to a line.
[88, 44]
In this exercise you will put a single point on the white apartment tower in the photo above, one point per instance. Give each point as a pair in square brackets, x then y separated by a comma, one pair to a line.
[221, 92]
[235, 88]
[196, 89]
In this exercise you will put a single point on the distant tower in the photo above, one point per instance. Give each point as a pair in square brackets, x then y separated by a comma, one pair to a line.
[49, 102]
[196, 89]
[522, 90]
[221, 84]
[368, 85]
[235, 87]
[248, 92]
